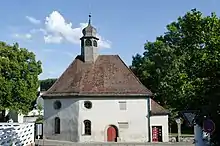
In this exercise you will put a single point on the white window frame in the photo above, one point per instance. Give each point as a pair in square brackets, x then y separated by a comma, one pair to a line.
[122, 105]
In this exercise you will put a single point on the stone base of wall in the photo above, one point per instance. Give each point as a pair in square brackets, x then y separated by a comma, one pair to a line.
[182, 139]
[67, 143]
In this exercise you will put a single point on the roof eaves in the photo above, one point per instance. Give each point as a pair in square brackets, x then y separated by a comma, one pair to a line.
[94, 95]
[161, 113]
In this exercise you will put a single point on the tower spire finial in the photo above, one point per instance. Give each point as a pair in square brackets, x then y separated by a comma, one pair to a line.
[90, 18]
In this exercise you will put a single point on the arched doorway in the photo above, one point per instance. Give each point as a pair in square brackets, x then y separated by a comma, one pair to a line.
[112, 133]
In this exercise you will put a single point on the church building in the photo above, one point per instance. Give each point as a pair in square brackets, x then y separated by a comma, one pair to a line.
[99, 99]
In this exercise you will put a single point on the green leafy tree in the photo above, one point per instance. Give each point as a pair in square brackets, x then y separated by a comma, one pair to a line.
[40, 117]
[39, 108]
[46, 84]
[182, 66]
[19, 72]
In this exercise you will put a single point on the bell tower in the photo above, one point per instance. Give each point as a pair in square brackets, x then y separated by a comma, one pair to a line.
[89, 43]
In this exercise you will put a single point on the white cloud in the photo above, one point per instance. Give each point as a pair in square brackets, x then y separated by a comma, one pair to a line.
[56, 39]
[26, 36]
[104, 43]
[33, 31]
[58, 30]
[33, 20]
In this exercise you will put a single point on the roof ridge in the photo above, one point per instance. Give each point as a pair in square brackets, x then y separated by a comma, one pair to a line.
[60, 76]
[133, 73]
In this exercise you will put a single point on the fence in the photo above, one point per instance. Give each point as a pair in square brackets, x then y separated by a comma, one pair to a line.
[19, 134]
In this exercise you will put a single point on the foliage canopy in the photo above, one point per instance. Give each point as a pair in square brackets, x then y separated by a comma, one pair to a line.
[19, 72]
[182, 66]
[46, 84]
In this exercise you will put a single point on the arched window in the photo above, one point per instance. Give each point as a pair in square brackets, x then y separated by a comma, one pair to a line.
[95, 43]
[88, 42]
[87, 127]
[57, 125]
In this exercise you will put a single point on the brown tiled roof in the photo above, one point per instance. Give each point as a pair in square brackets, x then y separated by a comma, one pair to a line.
[157, 109]
[107, 76]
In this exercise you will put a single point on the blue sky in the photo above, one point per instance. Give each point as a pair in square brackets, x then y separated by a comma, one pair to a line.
[51, 28]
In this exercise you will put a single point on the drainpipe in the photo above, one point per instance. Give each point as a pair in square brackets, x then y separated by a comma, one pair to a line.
[148, 116]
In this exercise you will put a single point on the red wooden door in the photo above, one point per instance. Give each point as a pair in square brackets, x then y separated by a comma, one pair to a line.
[111, 134]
